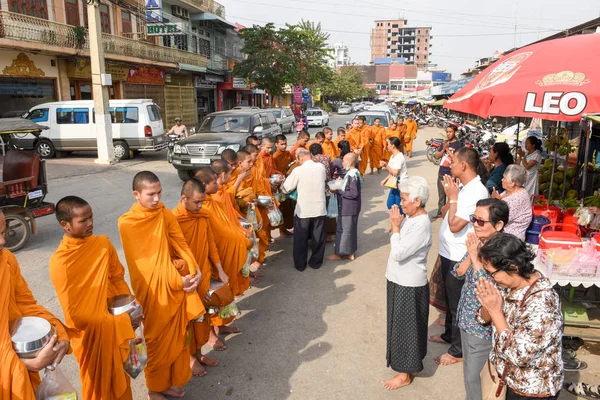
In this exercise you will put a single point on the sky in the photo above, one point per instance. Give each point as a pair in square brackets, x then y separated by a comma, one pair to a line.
[463, 30]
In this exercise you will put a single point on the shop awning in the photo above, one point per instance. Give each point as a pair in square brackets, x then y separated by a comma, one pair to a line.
[214, 78]
[439, 102]
[193, 68]
[212, 17]
[595, 118]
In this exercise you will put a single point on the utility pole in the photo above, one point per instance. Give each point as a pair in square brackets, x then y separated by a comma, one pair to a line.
[100, 83]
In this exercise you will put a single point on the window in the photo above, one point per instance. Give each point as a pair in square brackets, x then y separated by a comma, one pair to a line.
[124, 115]
[394, 25]
[419, 32]
[388, 24]
[418, 49]
[72, 116]
[34, 8]
[39, 115]
[126, 21]
[181, 42]
[153, 112]
[255, 121]
[104, 18]
[72, 12]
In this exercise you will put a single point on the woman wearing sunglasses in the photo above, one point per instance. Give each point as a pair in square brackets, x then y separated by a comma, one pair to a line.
[526, 320]
[489, 219]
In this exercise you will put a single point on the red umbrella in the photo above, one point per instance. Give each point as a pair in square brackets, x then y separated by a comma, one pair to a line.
[557, 80]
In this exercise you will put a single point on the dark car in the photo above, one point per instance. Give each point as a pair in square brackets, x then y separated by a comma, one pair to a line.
[219, 131]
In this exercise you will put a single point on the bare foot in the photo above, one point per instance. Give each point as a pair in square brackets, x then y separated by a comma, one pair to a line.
[350, 257]
[216, 343]
[285, 233]
[208, 360]
[400, 380]
[256, 274]
[156, 396]
[441, 321]
[437, 339]
[197, 368]
[254, 281]
[256, 265]
[174, 391]
[221, 330]
[446, 359]
[333, 257]
[379, 171]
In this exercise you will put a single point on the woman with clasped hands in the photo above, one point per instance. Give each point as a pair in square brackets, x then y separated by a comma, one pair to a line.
[526, 320]
[407, 287]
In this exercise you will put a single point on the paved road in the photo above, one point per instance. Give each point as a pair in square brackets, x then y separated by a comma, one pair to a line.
[305, 335]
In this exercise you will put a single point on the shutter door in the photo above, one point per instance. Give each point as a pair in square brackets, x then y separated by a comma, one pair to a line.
[180, 101]
[154, 92]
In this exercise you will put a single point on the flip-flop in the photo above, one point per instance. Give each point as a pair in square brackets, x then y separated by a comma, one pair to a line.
[583, 389]
[574, 365]
[568, 354]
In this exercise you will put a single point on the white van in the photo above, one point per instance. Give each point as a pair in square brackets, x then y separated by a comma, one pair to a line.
[136, 126]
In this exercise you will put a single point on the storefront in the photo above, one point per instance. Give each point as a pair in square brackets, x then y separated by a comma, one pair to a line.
[180, 99]
[206, 85]
[79, 73]
[233, 92]
[26, 80]
[146, 83]
[259, 98]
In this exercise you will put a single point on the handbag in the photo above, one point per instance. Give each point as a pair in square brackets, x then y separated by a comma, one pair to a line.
[391, 182]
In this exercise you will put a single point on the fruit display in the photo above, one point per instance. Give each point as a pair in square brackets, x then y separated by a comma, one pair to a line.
[592, 201]
[559, 185]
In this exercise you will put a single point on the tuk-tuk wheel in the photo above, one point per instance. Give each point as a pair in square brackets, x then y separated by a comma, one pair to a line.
[18, 231]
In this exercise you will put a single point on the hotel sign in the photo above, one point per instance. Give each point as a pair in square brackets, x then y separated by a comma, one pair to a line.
[169, 29]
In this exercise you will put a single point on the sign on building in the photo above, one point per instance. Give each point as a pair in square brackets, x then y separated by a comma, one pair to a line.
[240, 83]
[201, 83]
[153, 11]
[169, 29]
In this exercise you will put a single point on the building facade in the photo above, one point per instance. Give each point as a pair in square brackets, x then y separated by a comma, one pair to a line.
[172, 51]
[394, 39]
[340, 56]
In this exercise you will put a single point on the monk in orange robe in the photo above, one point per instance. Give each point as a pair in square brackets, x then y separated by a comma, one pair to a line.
[353, 135]
[164, 278]
[410, 135]
[391, 131]
[85, 271]
[195, 225]
[301, 142]
[377, 145]
[283, 159]
[365, 135]
[19, 378]
[341, 135]
[319, 139]
[330, 148]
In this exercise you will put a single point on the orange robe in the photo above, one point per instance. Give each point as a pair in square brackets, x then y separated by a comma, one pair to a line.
[16, 301]
[377, 138]
[365, 135]
[295, 147]
[282, 161]
[226, 196]
[269, 165]
[253, 186]
[231, 242]
[388, 134]
[330, 149]
[157, 257]
[85, 274]
[354, 138]
[411, 134]
[198, 235]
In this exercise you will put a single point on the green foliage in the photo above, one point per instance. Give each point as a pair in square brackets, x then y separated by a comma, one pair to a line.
[346, 85]
[294, 55]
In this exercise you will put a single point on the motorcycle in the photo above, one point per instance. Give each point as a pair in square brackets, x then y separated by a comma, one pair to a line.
[173, 139]
[433, 146]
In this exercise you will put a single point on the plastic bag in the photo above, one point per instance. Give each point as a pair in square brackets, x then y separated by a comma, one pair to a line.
[251, 216]
[55, 386]
[229, 311]
[246, 268]
[332, 207]
[138, 354]
[275, 216]
[254, 248]
[584, 216]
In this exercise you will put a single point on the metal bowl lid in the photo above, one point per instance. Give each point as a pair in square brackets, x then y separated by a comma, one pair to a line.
[214, 286]
[29, 329]
[121, 304]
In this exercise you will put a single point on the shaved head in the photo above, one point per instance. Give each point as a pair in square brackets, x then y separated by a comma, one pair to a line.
[242, 155]
[266, 140]
[220, 166]
[252, 139]
[193, 194]
[303, 135]
[143, 178]
[250, 148]
[191, 186]
[205, 175]
[350, 160]
[65, 208]
[229, 155]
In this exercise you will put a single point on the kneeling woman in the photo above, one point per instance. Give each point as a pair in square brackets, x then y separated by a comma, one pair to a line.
[407, 288]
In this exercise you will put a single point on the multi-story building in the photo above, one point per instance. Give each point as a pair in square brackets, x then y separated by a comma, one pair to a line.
[340, 56]
[393, 39]
[175, 52]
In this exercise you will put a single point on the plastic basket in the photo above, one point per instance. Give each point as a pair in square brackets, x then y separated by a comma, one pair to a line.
[551, 212]
[552, 267]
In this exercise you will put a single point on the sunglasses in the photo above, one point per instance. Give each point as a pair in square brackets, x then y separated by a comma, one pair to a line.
[475, 220]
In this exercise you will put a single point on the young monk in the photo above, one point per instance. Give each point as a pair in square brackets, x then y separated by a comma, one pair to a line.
[283, 159]
[377, 138]
[365, 135]
[85, 271]
[194, 222]
[266, 155]
[19, 378]
[253, 140]
[410, 135]
[319, 138]
[301, 142]
[164, 277]
[330, 149]
[341, 135]
[231, 157]
[391, 131]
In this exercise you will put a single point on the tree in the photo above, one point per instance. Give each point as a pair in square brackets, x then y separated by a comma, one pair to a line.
[294, 55]
[345, 85]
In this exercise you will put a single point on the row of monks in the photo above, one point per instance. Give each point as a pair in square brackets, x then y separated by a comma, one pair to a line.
[171, 256]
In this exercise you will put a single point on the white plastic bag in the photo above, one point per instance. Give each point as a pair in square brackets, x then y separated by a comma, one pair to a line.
[55, 386]
[138, 354]
[275, 216]
[332, 207]
[251, 216]
[229, 311]
[245, 272]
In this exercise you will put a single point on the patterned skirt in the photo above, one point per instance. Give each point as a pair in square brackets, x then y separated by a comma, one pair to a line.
[407, 321]
[437, 288]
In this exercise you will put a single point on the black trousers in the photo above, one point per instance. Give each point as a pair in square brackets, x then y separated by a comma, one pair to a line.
[510, 395]
[453, 291]
[306, 229]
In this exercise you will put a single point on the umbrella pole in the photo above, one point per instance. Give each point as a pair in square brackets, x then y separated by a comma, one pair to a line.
[588, 135]
[517, 144]
[553, 167]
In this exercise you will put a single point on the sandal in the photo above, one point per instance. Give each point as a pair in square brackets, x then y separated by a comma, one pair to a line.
[568, 354]
[572, 342]
[574, 365]
[583, 389]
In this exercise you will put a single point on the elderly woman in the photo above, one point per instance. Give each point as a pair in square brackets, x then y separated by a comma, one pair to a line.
[526, 320]
[407, 288]
[517, 198]
[489, 218]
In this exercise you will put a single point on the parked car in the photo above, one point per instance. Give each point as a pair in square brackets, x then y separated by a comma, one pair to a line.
[367, 105]
[219, 131]
[317, 117]
[371, 115]
[246, 108]
[136, 124]
[384, 109]
[285, 119]
[357, 106]
[345, 109]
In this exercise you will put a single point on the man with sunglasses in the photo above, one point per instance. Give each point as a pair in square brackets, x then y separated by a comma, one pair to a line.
[453, 236]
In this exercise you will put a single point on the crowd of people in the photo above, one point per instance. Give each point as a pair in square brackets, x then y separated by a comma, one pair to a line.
[498, 310]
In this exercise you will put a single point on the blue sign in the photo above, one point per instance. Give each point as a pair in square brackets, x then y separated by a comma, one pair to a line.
[455, 86]
[441, 76]
[154, 16]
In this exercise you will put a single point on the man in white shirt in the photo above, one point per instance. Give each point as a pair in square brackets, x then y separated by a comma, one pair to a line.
[309, 216]
[453, 234]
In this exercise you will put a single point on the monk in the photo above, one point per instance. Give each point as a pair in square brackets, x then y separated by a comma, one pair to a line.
[85, 271]
[266, 155]
[391, 131]
[330, 149]
[283, 159]
[19, 378]
[410, 135]
[164, 278]
[231, 157]
[365, 135]
[301, 142]
[341, 135]
[358, 137]
[377, 139]
[253, 140]
[353, 135]
[319, 138]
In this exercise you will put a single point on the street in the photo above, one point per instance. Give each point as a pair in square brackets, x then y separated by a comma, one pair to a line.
[305, 335]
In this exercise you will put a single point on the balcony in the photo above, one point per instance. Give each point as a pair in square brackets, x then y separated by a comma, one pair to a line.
[54, 37]
[207, 6]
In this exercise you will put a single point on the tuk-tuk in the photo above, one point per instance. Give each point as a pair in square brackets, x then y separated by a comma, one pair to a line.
[24, 183]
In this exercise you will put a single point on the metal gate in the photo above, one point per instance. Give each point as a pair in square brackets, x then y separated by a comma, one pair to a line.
[180, 101]
[154, 92]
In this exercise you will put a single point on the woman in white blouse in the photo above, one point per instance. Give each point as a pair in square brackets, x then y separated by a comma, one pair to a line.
[531, 161]
[407, 287]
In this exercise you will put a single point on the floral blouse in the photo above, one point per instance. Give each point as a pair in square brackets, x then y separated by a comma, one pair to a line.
[532, 344]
